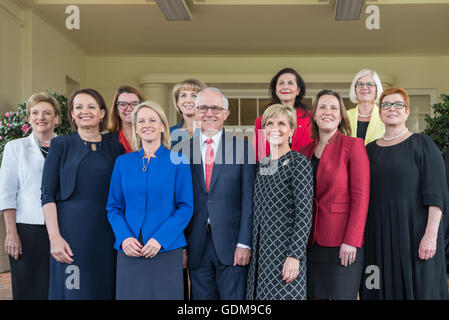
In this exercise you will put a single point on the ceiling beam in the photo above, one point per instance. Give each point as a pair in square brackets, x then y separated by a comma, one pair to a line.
[259, 2]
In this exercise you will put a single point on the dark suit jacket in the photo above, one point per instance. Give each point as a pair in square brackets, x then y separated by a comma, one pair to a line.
[342, 192]
[229, 201]
[59, 173]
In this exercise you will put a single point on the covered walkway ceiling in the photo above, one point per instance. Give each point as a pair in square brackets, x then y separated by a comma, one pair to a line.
[250, 27]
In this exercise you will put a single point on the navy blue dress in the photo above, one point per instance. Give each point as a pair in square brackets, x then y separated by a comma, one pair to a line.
[82, 216]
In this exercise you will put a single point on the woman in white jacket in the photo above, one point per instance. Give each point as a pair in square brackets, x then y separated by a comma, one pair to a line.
[27, 240]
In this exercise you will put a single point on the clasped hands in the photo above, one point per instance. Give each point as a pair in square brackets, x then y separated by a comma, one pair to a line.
[134, 248]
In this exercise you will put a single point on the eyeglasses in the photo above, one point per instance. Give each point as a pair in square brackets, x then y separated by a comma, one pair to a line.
[368, 84]
[398, 105]
[214, 109]
[123, 105]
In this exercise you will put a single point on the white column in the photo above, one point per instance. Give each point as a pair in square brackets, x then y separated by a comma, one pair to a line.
[158, 93]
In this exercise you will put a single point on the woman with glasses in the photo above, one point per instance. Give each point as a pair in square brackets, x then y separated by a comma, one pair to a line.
[184, 97]
[364, 118]
[126, 98]
[150, 203]
[404, 234]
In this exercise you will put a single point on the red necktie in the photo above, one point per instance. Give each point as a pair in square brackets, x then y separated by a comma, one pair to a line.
[209, 162]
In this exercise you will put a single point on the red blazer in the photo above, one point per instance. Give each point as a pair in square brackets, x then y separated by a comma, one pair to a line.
[300, 138]
[342, 192]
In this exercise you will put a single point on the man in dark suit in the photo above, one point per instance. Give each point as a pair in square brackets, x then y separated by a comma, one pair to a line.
[219, 234]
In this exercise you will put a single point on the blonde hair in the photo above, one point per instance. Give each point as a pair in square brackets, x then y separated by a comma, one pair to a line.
[276, 110]
[188, 84]
[165, 136]
[363, 73]
[43, 97]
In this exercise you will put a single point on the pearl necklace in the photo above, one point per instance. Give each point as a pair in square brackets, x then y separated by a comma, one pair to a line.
[363, 116]
[395, 138]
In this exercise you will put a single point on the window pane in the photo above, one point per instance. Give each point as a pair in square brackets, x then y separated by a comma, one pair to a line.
[233, 118]
[420, 104]
[412, 122]
[248, 111]
[263, 104]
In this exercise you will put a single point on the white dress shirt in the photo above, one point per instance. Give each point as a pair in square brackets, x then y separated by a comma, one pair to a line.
[203, 145]
[20, 180]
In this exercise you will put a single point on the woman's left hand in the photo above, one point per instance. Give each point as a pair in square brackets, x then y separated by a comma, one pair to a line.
[427, 247]
[347, 254]
[290, 270]
[151, 249]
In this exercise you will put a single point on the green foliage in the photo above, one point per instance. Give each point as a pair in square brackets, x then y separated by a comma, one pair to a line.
[438, 126]
[13, 124]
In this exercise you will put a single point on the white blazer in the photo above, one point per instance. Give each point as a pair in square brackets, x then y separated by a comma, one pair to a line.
[20, 180]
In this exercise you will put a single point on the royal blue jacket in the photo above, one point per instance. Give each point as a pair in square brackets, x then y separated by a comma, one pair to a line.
[157, 201]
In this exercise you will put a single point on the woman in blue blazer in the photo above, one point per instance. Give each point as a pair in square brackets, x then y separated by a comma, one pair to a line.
[150, 203]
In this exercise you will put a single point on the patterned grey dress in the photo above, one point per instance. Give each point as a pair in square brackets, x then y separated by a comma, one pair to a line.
[283, 193]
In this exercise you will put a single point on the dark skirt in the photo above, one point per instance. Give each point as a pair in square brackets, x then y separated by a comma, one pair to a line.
[328, 279]
[30, 273]
[159, 278]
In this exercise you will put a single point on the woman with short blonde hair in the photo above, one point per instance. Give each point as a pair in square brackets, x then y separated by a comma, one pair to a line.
[282, 214]
[27, 242]
[165, 135]
[184, 95]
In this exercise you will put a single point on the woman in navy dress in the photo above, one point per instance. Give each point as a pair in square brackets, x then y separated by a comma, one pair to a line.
[75, 186]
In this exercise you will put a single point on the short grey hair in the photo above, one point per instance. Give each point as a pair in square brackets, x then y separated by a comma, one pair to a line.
[362, 73]
[225, 100]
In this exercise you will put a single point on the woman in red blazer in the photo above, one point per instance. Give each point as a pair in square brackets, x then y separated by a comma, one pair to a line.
[286, 88]
[341, 173]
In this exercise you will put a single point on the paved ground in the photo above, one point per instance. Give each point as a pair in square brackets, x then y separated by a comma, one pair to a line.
[5, 286]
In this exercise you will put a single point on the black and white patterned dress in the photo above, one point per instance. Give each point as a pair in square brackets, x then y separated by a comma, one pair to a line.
[283, 193]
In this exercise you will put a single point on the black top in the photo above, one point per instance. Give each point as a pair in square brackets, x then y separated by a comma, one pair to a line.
[44, 151]
[362, 126]
[315, 163]
[406, 179]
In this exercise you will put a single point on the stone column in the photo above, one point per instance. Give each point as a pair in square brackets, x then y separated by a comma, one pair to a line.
[158, 93]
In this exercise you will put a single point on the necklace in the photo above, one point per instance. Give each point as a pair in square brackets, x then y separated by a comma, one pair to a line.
[363, 116]
[144, 166]
[394, 138]
[38, 142]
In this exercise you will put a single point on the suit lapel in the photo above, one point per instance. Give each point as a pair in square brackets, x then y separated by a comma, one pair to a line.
[33, 149]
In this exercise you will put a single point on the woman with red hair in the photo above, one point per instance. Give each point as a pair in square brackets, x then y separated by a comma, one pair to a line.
[404, 234]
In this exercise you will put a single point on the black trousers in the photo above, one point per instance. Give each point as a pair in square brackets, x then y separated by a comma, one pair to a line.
[30, 273]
